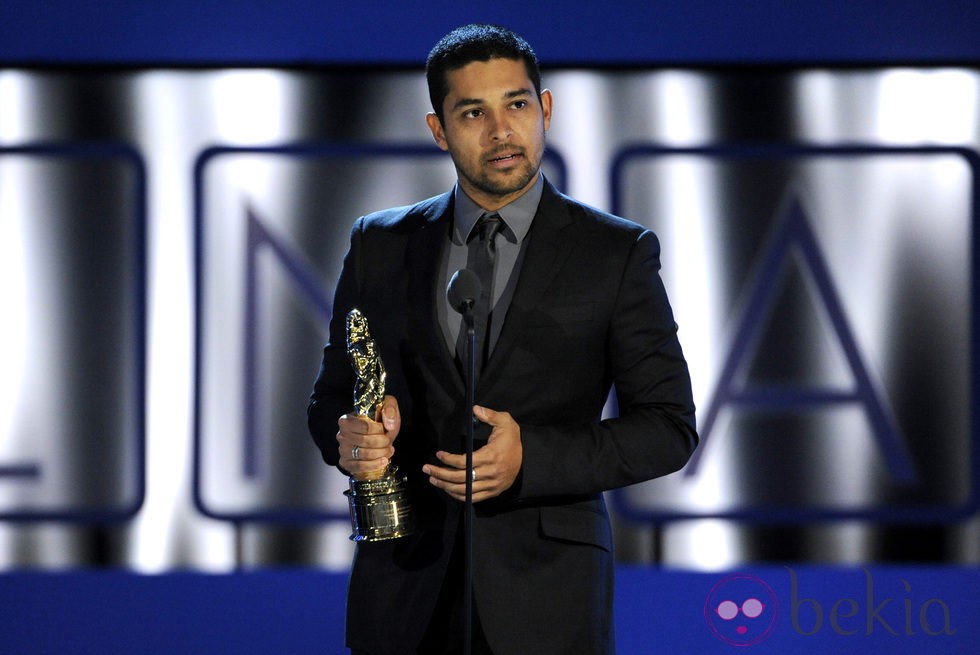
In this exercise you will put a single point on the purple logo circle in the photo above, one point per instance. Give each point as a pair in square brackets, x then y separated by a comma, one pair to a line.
[741, 610]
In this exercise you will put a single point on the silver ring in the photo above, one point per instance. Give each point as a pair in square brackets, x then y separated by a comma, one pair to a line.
[353, 452]
[472, 475]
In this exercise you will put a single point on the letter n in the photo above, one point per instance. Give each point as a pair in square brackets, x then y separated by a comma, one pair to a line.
[261, 239]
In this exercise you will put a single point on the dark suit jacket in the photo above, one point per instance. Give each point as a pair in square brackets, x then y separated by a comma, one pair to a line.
[589, 310]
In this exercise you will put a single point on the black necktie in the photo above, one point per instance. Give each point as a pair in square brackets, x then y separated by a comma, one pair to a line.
[480, 258]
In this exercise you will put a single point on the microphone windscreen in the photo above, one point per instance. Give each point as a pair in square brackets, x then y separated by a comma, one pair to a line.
[463, 289]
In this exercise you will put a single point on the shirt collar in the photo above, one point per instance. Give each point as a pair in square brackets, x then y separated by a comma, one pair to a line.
[517, 215]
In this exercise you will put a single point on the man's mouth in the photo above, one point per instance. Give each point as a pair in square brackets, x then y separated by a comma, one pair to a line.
[505, 158]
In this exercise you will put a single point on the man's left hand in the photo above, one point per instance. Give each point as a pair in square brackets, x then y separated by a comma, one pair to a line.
[495, 465]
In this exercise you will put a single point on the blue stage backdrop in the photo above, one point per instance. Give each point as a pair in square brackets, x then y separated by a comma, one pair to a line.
[773, 610]
[628, 32]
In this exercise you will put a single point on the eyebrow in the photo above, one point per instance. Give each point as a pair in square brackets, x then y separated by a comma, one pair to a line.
[467, 102]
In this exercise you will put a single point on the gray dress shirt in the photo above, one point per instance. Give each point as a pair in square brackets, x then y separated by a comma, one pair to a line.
[511, 244]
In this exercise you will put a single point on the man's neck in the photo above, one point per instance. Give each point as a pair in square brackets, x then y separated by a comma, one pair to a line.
[490, 202]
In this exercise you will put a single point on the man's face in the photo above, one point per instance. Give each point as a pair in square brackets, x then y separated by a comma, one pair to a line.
[493, 127]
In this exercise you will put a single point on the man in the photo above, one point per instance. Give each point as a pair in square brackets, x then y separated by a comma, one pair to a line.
[578, 304]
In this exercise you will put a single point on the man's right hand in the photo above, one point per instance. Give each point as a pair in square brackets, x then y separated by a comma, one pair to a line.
[374, 441]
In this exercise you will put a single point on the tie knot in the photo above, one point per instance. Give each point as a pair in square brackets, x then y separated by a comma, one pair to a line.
[488, 226]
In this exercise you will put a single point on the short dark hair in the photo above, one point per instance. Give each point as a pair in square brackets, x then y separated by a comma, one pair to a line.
[470, 43]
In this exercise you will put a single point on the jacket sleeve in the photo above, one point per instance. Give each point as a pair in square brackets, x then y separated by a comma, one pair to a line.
[654, 433]
[332, 395]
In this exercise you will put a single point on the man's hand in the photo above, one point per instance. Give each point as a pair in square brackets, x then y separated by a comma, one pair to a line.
[373, 441]
[495, 466]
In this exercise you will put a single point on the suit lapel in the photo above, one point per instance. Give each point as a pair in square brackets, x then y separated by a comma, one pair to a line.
[547, 250]
[423, 258]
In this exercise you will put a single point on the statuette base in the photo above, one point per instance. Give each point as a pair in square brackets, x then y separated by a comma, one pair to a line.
[380, 508]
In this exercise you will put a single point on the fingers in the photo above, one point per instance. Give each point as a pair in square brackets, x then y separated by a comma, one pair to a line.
[391, 416]
[492, 474]
[360, 431]
[489, 416]
[453, 481]
[364, 445]
[495, 465]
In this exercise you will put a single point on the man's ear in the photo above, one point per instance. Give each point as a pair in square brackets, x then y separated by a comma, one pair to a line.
[546, 101]
[438, 133]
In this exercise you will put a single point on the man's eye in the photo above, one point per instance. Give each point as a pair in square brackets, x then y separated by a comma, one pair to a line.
[520, 104]
[473, 113]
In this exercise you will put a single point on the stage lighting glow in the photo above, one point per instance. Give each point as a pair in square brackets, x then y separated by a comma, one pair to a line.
[681, 108]
[694, 288]
[251, 107]
[13, 300]
[938, 106]
[168, 531]
[705, 545]
[15, 115]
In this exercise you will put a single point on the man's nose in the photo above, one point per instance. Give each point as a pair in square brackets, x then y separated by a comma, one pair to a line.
[498, 127]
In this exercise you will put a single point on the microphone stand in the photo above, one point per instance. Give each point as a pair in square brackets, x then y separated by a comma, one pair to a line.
[462, 292]
[468, 504]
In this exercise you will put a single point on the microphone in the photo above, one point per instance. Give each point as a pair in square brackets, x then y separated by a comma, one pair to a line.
[463, 290]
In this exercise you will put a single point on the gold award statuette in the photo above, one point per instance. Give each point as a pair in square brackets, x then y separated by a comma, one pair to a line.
[379, 506]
